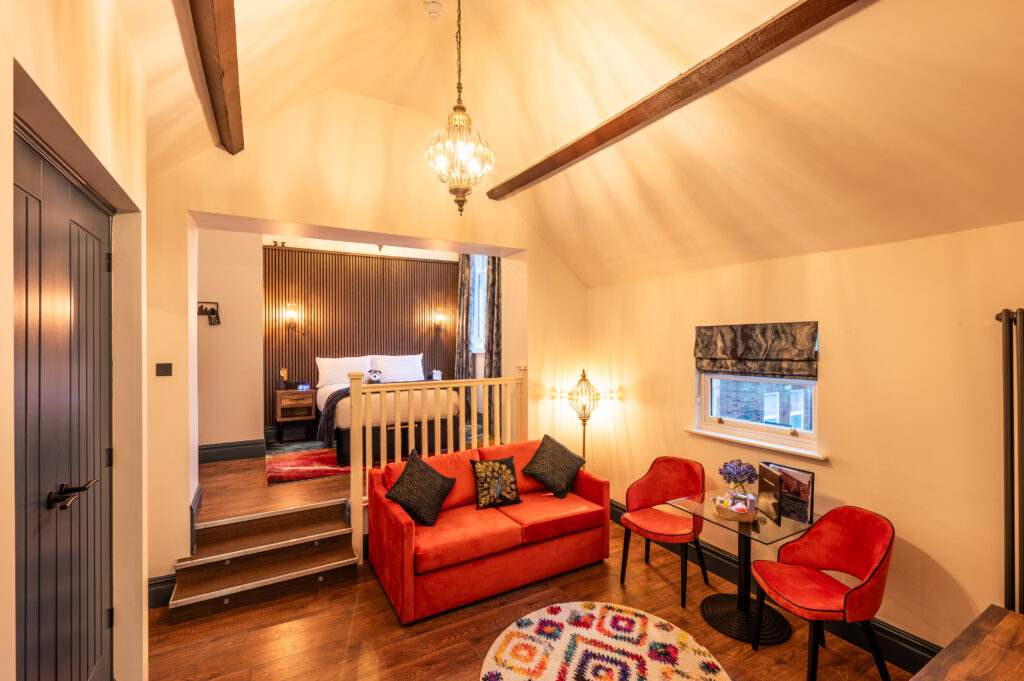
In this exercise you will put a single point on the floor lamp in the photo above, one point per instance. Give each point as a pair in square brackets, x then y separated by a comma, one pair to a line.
[583, 398]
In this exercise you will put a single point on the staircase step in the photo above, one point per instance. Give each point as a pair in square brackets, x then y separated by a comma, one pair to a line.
[217, 581]
[268, 534]
[220, 530]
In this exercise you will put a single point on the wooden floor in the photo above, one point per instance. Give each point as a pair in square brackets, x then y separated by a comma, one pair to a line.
[349, 631]
[237, 488]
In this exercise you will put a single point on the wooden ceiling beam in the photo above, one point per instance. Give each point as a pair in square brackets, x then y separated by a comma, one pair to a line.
[214, 23]
[772, 34]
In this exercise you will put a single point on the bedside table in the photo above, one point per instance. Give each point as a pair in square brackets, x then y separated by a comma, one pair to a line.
[293, 405]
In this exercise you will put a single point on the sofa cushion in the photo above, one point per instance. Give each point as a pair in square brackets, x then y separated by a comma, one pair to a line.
[495, 483]
[522, 452]
[455, 465]
[542, 515]
[464, 533]
[555, 466]
[420, 490]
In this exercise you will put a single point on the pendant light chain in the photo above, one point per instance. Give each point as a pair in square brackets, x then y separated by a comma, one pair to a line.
[459, 154]
[458, 50]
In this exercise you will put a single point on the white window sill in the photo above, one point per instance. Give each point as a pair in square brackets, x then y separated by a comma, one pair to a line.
[762, 444]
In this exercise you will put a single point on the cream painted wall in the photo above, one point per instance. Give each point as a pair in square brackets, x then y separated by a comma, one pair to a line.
[230, 355]
[337, 159]
[83, 62]
[514, 308]
[8, 568]
[909, 394]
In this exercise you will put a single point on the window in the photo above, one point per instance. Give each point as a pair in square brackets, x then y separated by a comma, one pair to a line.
[774, 411]
[757, 384]
[796, 409]
[771, 407]
[477, 302]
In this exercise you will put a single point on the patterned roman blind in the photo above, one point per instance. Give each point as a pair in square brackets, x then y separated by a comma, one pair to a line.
[788, 350]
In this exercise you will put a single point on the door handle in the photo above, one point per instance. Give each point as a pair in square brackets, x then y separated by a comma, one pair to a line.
[65, 489]
[61, 501]
[65, 495]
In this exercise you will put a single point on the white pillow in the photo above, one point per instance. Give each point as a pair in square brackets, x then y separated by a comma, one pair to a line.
[334, 370]
[399, 368]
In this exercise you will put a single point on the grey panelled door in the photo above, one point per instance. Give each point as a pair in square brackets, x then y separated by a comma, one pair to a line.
[62, 425]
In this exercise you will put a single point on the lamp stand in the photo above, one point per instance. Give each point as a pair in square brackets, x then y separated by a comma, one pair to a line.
[584, 422]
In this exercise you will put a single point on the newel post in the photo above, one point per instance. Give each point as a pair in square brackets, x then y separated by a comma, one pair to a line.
[355, 442]
[524, 403]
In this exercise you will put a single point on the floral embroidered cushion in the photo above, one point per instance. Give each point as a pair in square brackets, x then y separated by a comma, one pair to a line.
[495, 483]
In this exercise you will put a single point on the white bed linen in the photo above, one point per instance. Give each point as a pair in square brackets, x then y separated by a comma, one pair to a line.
[449, 405]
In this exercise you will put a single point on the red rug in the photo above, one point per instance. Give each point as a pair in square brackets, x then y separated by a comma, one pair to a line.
[295, 466]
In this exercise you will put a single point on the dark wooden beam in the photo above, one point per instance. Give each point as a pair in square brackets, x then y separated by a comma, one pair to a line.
[214, 22]
[770, 35]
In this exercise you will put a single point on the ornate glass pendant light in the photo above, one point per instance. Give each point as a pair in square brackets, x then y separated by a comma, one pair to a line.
[458, 153]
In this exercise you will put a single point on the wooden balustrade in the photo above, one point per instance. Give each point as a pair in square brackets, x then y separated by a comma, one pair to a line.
[497, 407]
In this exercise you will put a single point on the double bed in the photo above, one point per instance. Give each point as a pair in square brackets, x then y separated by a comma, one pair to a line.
[406, 409]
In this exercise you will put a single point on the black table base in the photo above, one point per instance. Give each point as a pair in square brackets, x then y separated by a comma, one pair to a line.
[720, 612]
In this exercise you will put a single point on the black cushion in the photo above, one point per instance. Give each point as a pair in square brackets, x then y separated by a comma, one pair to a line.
[555, 466]
[495, 483]
[420, 490]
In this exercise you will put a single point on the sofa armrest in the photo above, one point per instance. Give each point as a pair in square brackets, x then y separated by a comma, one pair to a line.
[392, 534]
[597, 490]
[593, 488]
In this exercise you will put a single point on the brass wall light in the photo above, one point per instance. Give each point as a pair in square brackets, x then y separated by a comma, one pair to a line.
[584, 398]
[291, 316]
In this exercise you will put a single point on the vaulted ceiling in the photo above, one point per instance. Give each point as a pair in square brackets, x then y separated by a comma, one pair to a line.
[899, 119]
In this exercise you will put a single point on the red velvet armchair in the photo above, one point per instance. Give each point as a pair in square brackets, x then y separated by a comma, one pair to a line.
[668, 478]
[846, 539]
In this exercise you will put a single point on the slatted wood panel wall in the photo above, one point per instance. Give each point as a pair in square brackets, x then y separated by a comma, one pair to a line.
[352, 305]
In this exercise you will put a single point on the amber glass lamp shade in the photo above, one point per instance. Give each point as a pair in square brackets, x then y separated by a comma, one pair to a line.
[584, 398]
[459, 155]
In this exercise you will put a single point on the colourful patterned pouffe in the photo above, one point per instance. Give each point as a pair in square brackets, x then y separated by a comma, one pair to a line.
[597, 642]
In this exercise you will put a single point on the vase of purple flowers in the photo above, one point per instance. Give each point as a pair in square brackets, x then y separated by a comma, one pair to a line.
[738, 473]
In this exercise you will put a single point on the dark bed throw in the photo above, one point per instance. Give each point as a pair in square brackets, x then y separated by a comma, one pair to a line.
[325, 431]
[410, 434]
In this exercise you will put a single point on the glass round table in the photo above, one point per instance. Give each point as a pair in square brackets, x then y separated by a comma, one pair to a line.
[732, 615]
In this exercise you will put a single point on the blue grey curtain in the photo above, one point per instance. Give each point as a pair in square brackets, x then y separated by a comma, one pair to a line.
[492, 343]
[788, 350]
[463, 356]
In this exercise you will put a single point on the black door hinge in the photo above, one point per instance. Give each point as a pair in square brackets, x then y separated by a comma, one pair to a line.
[110, 457]
[110, 618]
[110, 260]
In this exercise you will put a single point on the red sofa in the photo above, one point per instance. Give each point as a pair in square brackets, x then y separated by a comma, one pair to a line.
[471, 554]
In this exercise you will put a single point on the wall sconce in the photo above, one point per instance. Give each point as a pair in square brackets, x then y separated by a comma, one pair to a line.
[439, 317]
[211, 311]
[291, 316]
[584, 398]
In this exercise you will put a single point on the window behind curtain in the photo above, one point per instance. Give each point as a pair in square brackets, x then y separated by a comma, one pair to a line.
[759, 382]
[478, 303]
